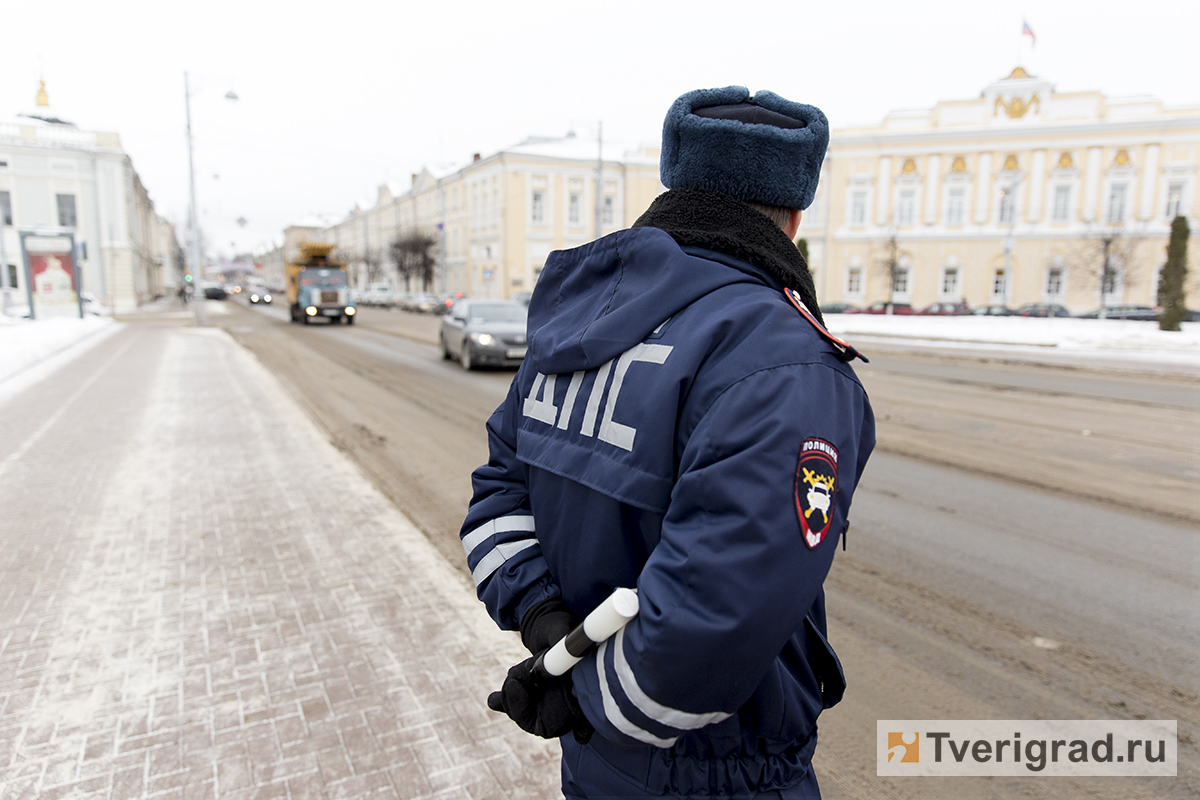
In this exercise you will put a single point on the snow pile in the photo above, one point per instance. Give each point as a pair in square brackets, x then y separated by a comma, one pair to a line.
[1064, 334]
[24, 343]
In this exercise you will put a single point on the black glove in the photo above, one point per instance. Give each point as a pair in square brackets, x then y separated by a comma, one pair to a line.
[546, 623]
[545, 707]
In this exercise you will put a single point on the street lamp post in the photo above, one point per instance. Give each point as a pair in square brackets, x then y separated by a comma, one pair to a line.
[1009, 199]
[194, 256]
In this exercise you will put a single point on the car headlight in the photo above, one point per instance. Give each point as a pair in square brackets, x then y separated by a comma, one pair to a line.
[311, 311]
[254, 298]
[484, 339]
[350, 311]
[267, 297]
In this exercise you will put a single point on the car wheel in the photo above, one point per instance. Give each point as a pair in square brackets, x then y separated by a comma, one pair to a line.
[305, 318]
[446, 354]
[464, 358]
[349, 320]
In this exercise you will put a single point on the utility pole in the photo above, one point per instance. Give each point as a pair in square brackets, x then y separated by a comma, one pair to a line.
[599, 179]
[194, 255]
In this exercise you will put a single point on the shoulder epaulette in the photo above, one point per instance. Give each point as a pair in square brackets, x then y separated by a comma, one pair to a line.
[842, 350]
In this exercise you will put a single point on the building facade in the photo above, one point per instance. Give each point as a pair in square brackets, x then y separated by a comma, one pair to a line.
[1021, 195]
[494, 220]
[56, 176]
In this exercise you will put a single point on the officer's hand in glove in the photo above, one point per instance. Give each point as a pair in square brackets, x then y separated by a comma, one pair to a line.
[544, 707]
[546, 623]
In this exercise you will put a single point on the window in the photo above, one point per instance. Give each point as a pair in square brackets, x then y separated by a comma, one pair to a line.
[538, 207]
[12, 276]
[573, 203]
[5, 208]
[999, 285]
[950, 283]
[854, 281]
[66, 210]
[608, 210]
[955, 205]
[1007, 205]
[858, 208]
[904, 206]
[1116, 202]
[1174, 199]
[900, 281]
[1062, 204]
[1054, 282]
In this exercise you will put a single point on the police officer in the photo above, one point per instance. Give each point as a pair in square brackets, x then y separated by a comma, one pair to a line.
[682, 424]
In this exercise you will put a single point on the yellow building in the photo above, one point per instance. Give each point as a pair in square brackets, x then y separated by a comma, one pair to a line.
[495, 219]
[1021, 195]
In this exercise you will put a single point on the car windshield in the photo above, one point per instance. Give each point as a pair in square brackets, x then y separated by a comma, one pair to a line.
[322, 277]
[496, 312]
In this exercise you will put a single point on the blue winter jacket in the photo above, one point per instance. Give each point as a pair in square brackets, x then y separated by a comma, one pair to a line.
[678, 426]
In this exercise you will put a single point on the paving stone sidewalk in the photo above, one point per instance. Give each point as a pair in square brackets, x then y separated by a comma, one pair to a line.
[200, 597]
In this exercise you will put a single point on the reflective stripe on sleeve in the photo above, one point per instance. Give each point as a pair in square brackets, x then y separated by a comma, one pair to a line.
[523, 522]
[614, 714]
[671, 717]
[496, 558]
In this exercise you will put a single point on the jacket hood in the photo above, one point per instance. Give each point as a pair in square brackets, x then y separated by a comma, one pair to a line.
[594, 302]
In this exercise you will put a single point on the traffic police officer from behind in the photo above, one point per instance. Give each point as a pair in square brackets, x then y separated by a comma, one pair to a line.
[684, 425]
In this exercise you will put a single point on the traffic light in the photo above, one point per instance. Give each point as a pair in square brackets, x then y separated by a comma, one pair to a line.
[187, 278]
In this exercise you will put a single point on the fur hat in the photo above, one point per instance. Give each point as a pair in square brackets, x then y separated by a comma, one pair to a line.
[763, 149]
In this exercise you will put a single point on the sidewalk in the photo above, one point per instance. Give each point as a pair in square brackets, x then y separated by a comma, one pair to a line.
[200, 597]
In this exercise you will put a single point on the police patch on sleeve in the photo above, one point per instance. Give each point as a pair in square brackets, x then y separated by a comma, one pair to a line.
[816, 488]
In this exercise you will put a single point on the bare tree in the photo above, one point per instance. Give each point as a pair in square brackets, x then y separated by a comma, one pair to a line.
[1106, 260]
[373, 262]
[412, 252]
[889, 264]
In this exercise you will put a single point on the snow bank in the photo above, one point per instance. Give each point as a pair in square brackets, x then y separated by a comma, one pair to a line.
[1108, 336]
[24, 343]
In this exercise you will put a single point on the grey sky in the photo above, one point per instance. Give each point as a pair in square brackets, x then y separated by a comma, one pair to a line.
[339, 97]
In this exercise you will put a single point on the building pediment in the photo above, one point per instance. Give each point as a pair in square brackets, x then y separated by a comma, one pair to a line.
[1019, 97]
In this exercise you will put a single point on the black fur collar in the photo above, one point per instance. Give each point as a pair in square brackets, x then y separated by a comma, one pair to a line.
[701, 218]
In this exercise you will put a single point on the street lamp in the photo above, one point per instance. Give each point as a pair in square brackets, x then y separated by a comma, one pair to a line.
[194, 254]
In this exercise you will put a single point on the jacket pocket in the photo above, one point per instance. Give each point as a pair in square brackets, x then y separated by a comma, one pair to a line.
[826, 665]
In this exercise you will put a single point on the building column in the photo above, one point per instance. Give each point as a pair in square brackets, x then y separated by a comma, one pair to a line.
[933, 183]
[883, 192]
[1149, 176]
[1037, 187]
[1091, 184]
[983, 188]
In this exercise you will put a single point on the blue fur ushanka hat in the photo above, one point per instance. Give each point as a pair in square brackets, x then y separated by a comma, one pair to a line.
[763, 149]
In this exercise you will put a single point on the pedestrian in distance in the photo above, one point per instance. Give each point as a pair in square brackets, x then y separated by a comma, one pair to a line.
[682, 425]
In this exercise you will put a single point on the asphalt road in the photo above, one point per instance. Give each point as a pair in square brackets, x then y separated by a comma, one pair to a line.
[1023, 543]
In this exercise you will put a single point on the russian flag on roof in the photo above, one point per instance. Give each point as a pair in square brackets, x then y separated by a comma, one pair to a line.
[1028, 31]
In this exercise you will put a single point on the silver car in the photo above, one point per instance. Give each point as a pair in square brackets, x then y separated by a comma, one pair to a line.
[484, 333]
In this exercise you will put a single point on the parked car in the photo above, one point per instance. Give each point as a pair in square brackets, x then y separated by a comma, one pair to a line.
[882, 308]
[215, 292]
[945, 310]
[1144, 313]
[1041, 310]
[523, 298]
[839, 308]
[423, 302]
[484, 332]
[447, 301]
[92, 305]
[259, 295]
[991, 311]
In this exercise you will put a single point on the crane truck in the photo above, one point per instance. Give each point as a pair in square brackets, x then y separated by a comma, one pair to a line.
[317, 286]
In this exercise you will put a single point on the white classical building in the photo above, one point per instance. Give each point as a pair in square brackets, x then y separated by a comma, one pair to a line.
[57, 176]
[1023, 194]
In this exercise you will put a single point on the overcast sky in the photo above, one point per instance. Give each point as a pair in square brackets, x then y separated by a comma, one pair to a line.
[338, 97]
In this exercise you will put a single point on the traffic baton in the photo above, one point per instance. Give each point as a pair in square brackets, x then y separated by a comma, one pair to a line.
[609, 617]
